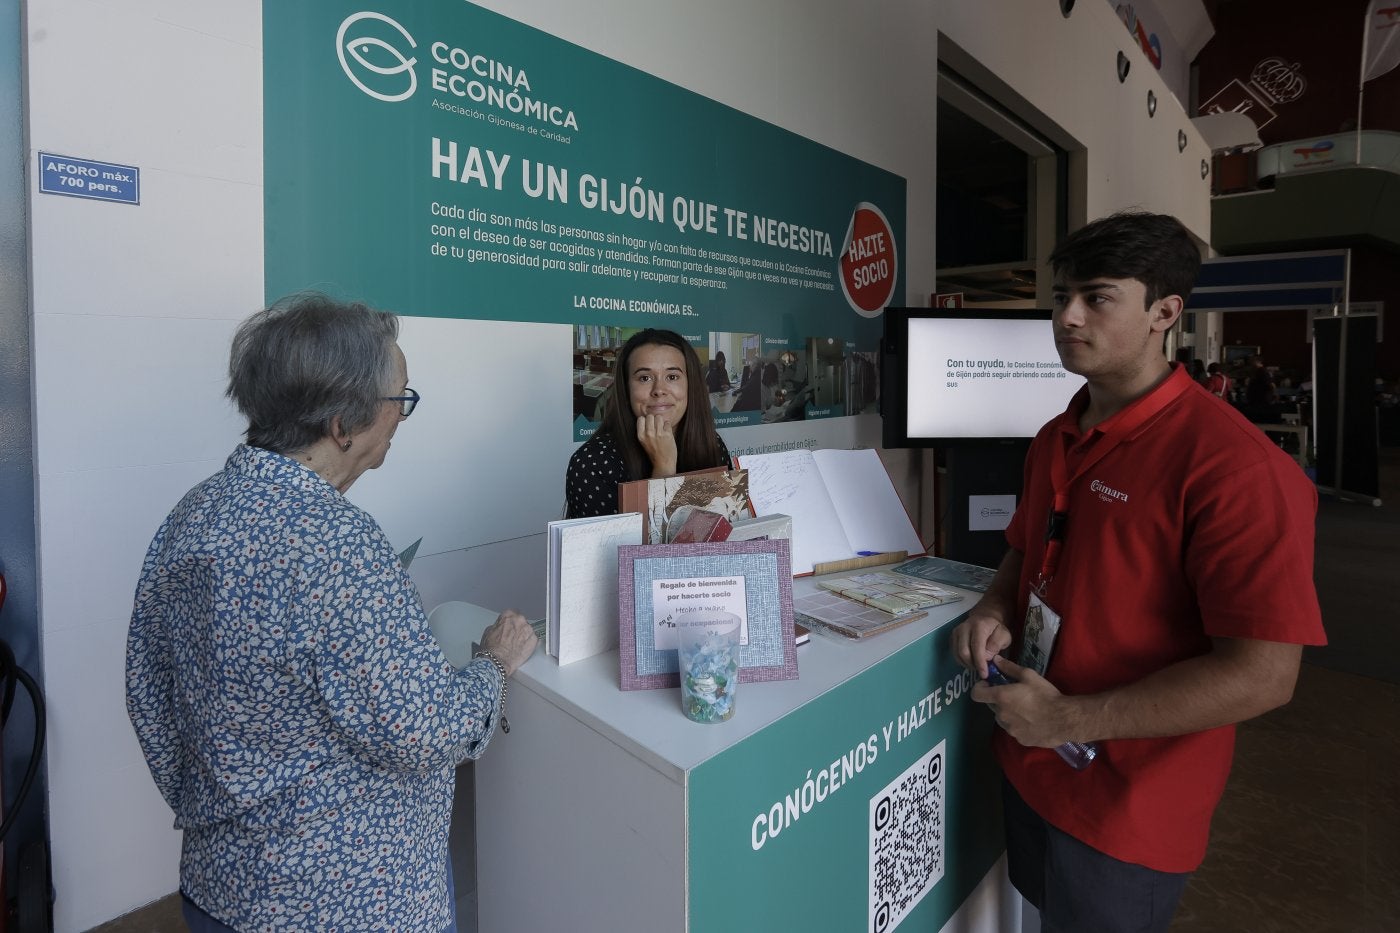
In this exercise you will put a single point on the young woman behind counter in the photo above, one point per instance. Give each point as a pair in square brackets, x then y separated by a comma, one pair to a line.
[656, 422]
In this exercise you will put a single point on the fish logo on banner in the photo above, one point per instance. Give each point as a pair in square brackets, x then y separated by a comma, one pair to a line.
[374, 59]
[869, 261]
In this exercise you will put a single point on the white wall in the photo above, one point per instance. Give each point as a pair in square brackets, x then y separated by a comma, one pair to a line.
[134, 307]
[133, 310]
[1059, 75]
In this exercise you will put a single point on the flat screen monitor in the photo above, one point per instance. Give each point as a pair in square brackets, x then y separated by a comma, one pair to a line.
[953, 376]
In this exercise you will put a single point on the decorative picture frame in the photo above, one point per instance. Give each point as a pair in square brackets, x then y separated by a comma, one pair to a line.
[713, 489]
[763, 574]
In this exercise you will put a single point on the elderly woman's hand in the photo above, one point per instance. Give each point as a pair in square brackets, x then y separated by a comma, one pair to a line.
[511, 639]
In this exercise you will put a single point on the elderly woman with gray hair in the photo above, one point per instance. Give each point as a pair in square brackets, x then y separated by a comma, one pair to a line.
[292, 704]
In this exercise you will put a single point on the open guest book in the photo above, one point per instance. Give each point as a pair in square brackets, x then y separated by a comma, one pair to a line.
[842, 503]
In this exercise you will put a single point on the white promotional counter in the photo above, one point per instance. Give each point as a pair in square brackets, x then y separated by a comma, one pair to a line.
[861, 796]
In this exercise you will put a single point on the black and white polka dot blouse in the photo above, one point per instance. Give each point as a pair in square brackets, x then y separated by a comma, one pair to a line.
[595, 469]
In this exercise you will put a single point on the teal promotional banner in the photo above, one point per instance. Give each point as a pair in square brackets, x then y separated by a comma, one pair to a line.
[875, 805]
[441, 160]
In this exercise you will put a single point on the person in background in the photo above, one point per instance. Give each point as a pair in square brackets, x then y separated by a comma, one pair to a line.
[759, 389]
[657, 423]
[717, 374]
[1260, 395]
[292, 704]
[1217, 383]
[1198, 371]
[1170, 545]
[789, 401]
[768, 382]
[792, 372]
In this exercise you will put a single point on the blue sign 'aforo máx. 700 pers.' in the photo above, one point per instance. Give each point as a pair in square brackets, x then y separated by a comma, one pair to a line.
[85, 178]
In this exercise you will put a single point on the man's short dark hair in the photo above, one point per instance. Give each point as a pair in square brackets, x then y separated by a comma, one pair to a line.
[1155, 249]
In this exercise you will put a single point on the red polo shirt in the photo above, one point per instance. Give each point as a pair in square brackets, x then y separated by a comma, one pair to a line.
[1192, 525]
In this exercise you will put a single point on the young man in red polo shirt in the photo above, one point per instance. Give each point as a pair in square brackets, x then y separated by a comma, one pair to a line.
[1165, 547]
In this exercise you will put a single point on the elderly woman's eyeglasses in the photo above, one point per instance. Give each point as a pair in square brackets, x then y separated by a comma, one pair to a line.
[406, 402]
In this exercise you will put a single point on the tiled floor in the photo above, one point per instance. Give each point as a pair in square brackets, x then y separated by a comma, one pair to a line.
[163, 916]
[1307, 837]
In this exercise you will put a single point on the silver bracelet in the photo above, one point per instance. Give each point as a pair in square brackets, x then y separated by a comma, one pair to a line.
[505, 684]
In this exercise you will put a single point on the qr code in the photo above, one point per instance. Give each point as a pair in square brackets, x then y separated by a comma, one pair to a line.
[906, 841]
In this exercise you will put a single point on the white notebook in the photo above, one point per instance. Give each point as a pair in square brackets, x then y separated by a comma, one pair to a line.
[581, 581]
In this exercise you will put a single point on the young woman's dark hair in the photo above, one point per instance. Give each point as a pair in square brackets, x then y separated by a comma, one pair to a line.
[696, 447]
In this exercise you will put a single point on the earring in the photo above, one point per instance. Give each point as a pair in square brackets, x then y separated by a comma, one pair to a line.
[346, 445]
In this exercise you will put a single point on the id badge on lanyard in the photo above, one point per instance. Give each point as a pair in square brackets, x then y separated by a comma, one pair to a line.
[1038, 635]
[1042, 623]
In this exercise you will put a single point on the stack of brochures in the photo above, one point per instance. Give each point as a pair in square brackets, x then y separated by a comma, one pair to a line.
[954, 573]
[894, 593]
[827, 612]
[868, 603]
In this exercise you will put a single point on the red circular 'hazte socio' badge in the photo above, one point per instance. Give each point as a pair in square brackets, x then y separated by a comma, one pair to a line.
[869, 263]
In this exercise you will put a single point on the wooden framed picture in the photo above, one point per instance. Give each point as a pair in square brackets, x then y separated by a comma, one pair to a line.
[657, 583]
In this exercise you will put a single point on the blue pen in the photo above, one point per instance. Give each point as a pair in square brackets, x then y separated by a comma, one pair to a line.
[868, 553]
[1078, 755]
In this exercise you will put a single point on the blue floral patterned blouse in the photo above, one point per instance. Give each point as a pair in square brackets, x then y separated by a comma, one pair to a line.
[295, 710]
